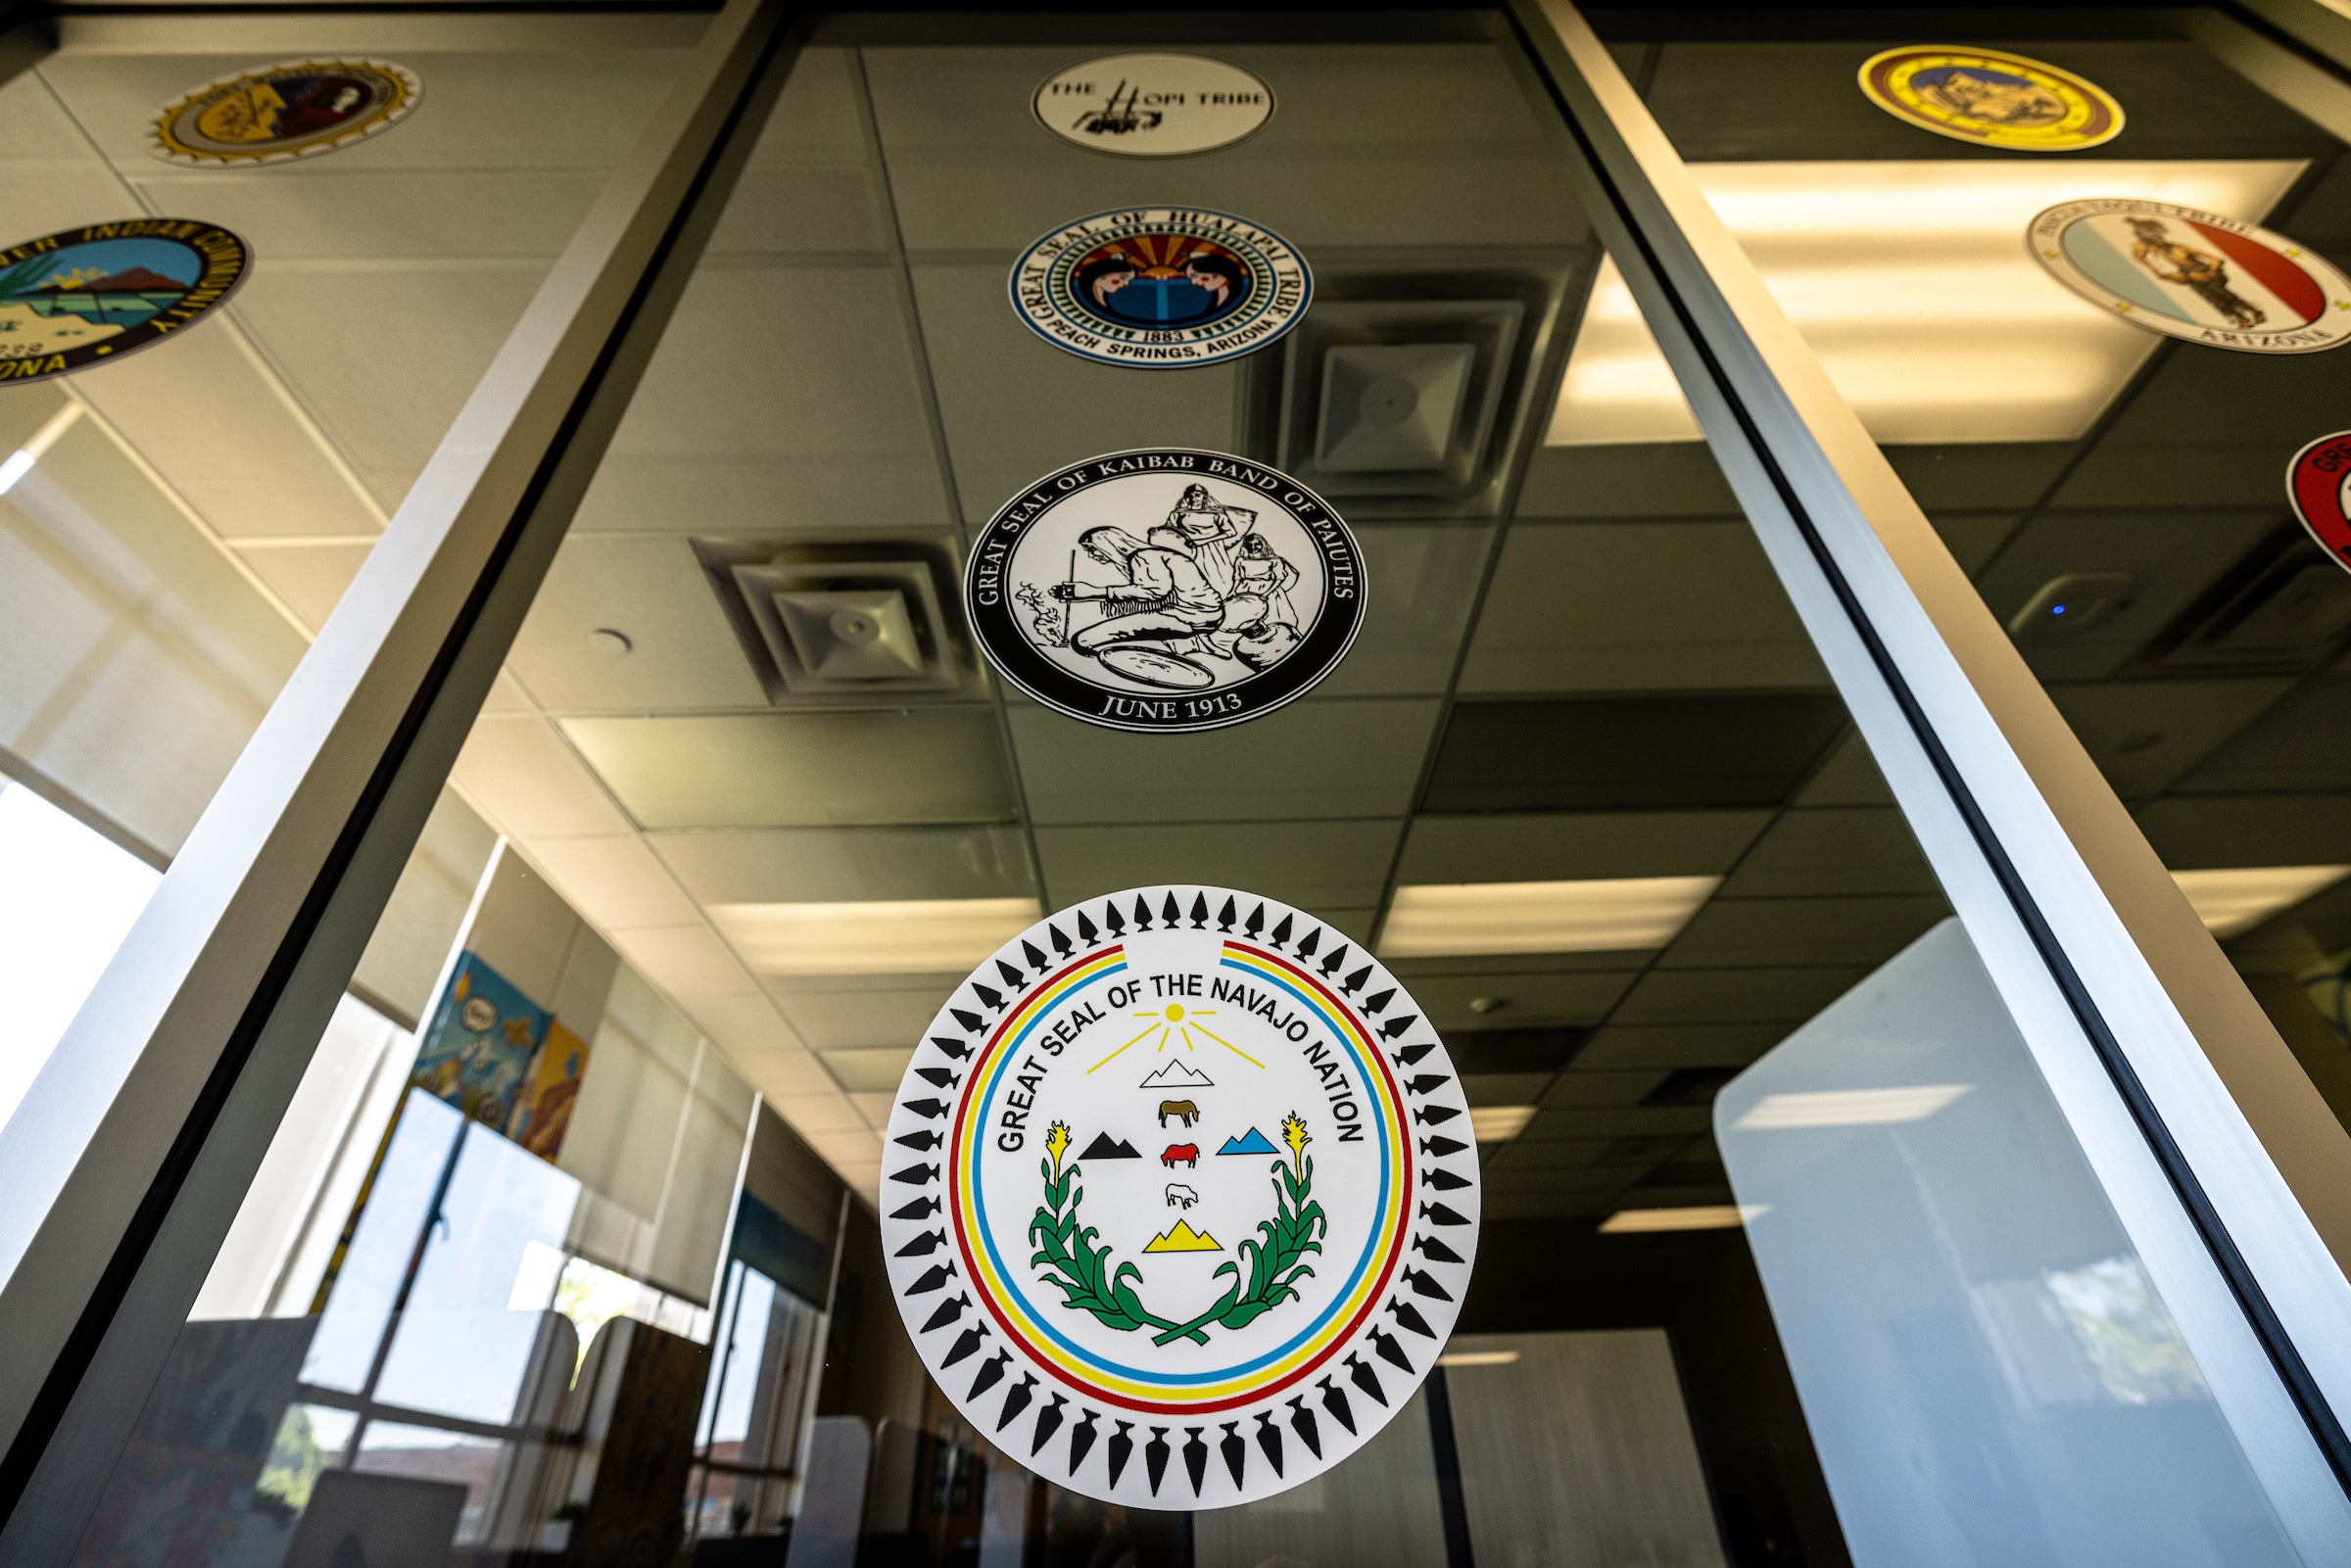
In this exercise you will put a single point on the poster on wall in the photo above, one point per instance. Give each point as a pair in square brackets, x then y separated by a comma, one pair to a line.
[275, 114]
[2188, 273]
[1179, 1197]
[1153, 105]
[477, 1049]
[1160, 288]
[1992, 98]
[1165, 590]
[542, 1106]
[90, 295]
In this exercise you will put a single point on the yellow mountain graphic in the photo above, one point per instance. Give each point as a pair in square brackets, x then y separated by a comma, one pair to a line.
[1184, 1239]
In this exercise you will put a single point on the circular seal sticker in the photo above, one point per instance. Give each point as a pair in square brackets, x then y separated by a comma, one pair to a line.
[292, 109]
[2318, 483]
[1153, 106]
[1179, 1197]
[1990, 98]
[98, 293]
[2188, 273]
[1162, 288]
[1164, 591]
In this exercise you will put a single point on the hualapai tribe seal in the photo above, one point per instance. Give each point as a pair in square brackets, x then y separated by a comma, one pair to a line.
[1165, 590]
[94, 293]
[1179, 1197]
[1992, 98]
[1160, 288]
[295, 108]
[2188, 273]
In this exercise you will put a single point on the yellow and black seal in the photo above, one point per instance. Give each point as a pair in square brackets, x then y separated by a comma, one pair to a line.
[1991, 99]
[295, 108]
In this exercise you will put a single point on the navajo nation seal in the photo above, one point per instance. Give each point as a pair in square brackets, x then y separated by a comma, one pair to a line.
[1160, 288]
[1164, 591]
[97, 293]
[1179, 1197]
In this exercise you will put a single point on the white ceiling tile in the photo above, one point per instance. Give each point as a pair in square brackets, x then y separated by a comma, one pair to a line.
[430, 332]
[1442, 131]
[1623, 606]
[310, 578]
[1573, 845]
[35, 129]
[915, 765]
[876, 1070]
[783, 1074]
[615, 882]
[506, 696]
[217, 426]
[848, 1147]
[876, 1018]
[1424, 582]
[684, 960]
[832, 865]
[745, 1026]
[815, 1115]
[1066, 409]
[654, 593]
[1310, 863]
[875, 1108]
[306, 213]
[517, 769]
[1312, 759]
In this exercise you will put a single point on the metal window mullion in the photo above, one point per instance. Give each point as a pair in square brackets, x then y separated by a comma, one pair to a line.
[2115, 983]
[130, 1151]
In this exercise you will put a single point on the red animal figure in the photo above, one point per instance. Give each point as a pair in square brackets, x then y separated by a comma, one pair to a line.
[1189, 1152]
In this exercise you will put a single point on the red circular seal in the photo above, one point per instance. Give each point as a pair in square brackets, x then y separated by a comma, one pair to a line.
[2318, 483]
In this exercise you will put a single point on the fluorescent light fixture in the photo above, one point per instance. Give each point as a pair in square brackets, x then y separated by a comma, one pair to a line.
[1499, 1124]
[1911, 281]
[1622, 914]
[2237, 900]
[919, 937]
[17, 464]
[1695, 1216]
[1477, 1358]
[1848, 1107]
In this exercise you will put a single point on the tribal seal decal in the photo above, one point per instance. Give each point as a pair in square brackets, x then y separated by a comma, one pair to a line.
[2188, 273]
[1992, 98]
[2318, 483]
[1165, 590]
[1180, 1198]
[293, 109]
[100, 292]
[1153, 105]
[1160, 288]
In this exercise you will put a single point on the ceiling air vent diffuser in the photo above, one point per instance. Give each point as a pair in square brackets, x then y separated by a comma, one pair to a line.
[1404, 392]
[2283, 609]
[828, 625]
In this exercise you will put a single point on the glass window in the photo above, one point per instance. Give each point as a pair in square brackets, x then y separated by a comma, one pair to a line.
[2108, 469]
[175, 526]
[595, 1256]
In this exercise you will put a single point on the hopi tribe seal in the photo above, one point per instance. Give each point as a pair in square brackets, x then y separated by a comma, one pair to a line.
[1179, 1197]
[2188, 273]
[274, 114]
[1165, 590]
[94, 293]
[1160, 288]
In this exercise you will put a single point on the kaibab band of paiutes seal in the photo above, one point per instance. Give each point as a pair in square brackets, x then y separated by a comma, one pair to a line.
[1165, 590]
[1179, 1197]
[1160, 288]
[295, 108]
[2188, 273]
[91, 294]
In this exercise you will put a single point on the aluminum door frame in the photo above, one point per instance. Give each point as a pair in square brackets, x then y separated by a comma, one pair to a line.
[2227, 1168]
[134, 1146]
